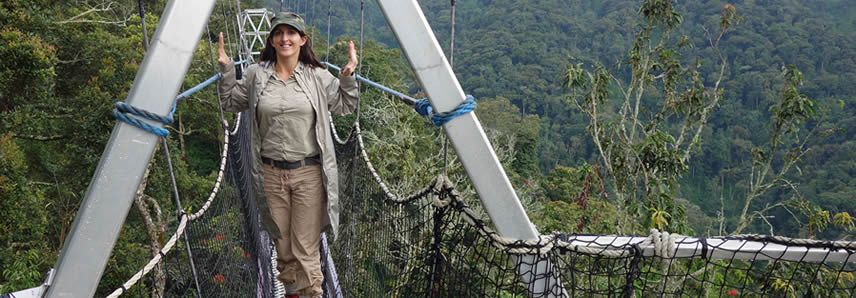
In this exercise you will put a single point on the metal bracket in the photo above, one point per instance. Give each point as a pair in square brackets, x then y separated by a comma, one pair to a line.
[37, 292]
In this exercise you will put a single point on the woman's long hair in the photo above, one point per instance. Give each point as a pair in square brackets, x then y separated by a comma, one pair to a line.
[307, 56]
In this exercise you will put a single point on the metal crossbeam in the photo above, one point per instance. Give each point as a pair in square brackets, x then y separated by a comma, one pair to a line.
[722, 249]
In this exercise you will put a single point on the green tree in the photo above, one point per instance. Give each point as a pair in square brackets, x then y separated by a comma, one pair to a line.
[24, 255]
[644, 154]
[772, 163]
[500, 115]
[573, 203]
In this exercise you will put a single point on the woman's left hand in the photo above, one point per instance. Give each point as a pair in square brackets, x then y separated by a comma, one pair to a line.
[352, 63]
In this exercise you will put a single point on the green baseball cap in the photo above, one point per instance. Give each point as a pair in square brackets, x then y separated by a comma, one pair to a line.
[288, 18]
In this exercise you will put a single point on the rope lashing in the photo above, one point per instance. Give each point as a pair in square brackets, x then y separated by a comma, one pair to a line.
[439, 185]
[423, 107]
[122, 109]
[663, 242]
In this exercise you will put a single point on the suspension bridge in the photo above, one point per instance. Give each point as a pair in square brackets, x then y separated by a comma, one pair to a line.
[429, 242]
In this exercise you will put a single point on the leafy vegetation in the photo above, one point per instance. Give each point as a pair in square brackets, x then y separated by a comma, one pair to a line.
[526, 61]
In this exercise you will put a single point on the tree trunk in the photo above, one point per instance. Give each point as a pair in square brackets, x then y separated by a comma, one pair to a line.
[155, 227]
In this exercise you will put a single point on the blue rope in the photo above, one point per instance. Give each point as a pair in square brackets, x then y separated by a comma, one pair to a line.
[123, 108]
[407, 99]
[423, 107]
[196, 88]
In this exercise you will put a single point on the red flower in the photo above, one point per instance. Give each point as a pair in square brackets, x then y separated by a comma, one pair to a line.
[732, 293]
[219, 237]
[219, 278]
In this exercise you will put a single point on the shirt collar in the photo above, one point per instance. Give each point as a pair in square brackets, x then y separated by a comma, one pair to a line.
[297, 70]
[269, 69]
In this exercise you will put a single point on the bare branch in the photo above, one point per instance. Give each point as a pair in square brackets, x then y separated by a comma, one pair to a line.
[93, 11]
[75, 60]
[42, 183]
[39, 138]
[185, 132]
[121, 23]
[745, 222]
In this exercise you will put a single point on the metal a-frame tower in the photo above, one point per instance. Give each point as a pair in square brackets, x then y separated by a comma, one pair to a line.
[254, 25]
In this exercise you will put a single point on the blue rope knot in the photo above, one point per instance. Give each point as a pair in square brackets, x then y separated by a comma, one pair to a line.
[122, 109]
[423, 107]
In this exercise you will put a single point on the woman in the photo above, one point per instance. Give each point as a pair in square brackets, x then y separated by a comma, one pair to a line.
[288, 95]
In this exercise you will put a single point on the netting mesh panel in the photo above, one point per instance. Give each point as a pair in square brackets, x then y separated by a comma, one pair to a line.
[774, 278]
[230, 252]
[371, 260]
[431, 244]
[388, 248]
[412, 247]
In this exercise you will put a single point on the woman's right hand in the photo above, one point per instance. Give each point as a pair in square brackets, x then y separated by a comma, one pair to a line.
[221, 50]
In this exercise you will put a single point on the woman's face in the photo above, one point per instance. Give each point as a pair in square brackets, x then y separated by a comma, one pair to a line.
[286, 41]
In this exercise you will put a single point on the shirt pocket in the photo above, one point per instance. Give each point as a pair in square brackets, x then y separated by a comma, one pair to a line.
[297, 88]
[303, 94]
[259, 89]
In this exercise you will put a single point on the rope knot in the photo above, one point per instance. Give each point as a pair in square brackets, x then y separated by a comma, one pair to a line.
[122, 109]
[423, 107]
[540, 245]
[441, 185]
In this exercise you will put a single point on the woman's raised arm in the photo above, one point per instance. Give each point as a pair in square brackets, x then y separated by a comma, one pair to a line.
[233, 93]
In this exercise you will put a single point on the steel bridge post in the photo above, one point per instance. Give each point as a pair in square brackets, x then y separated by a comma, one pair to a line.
[434, 73]
[129, 150]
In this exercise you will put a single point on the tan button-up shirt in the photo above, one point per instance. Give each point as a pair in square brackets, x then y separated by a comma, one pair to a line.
[286, 121]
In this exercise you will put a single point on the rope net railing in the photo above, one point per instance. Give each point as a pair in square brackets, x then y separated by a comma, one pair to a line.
[431, 243]
[231, 254]
[225, 252]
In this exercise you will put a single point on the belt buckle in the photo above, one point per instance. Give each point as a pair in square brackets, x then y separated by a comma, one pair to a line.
[292, 165]
[287, 165]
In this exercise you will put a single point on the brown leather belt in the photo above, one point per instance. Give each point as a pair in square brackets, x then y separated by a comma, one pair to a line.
[290, 165]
